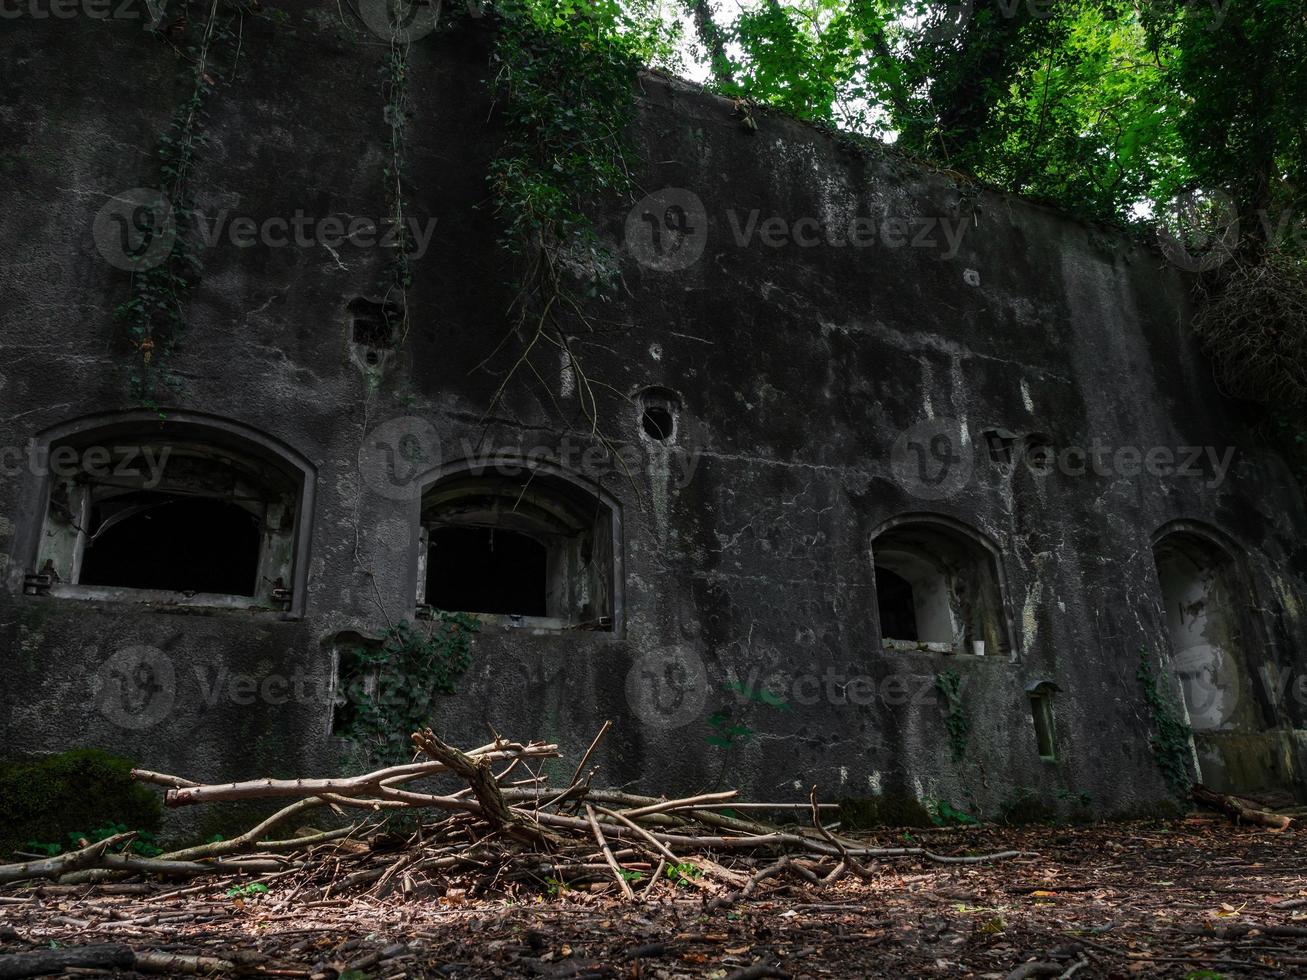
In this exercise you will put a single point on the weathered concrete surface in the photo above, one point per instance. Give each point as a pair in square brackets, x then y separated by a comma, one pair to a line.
[746, 545]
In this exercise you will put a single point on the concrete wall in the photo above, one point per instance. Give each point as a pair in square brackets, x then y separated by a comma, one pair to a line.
[806, 375]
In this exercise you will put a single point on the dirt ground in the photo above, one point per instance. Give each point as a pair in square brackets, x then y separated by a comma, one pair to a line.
[1196, 899]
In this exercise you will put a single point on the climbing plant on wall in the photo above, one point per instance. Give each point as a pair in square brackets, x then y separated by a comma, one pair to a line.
[398, 275]
[563, 75]
[949, 686]
[1171, 738]
[153, 315]
[388, 689]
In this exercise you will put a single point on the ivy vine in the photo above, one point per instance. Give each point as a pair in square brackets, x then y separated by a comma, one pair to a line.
[1171, 738]
[949, 686]
[563, 76]
[388, 690]
[398, 275]
[153, 316]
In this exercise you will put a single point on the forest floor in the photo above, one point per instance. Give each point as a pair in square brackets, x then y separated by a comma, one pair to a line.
[1197, 898]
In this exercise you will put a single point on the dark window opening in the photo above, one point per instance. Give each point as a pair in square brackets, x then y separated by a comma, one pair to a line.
[487, 570]
[658, 423]
[897, 605]
[1041, 709]
[152, 540]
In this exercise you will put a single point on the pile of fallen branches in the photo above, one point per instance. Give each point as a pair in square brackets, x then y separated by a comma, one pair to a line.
[494, 835]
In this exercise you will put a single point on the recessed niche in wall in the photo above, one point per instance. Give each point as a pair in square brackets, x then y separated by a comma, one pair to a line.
[999, 442]
[1210, 616]
[1041, 713]
[374, 329]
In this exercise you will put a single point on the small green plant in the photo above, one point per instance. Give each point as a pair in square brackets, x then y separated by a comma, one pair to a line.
[728, 731]
[944, 814]
[143, 843]
[389, 688]
[555, 887]
[251, 890]
[683, 873]
[1081, 799]
[631, 877]
[1023, 806]
[1171, 739]
[949, 686]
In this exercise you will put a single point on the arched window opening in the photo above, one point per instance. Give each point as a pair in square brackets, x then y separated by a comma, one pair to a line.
[937, 589]
[532, 547]
[1208, 612]
[178, 521]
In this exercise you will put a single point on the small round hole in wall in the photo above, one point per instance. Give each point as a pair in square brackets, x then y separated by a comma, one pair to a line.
[658, 423]
[659, 412]
[372, 357]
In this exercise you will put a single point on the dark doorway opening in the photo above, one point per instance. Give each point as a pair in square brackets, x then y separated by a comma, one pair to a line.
[487, 570]
[152, 540]
[897, 605]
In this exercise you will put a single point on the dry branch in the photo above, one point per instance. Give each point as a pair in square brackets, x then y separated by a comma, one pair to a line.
[1238, 810]
[87, 857]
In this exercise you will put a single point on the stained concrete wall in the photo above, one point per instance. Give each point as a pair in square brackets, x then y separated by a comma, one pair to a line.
[806, 374]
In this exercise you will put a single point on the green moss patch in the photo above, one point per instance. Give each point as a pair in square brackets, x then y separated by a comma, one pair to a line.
[79, 790]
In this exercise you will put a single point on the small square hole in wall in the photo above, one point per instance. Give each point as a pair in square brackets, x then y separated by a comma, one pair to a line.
[374, 327]
[1000, 443]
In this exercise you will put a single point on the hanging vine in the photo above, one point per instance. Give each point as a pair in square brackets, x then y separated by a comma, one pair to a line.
[398, 275]
[563, 76]
[949, 686]
[153, 315]
[1171, 739]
